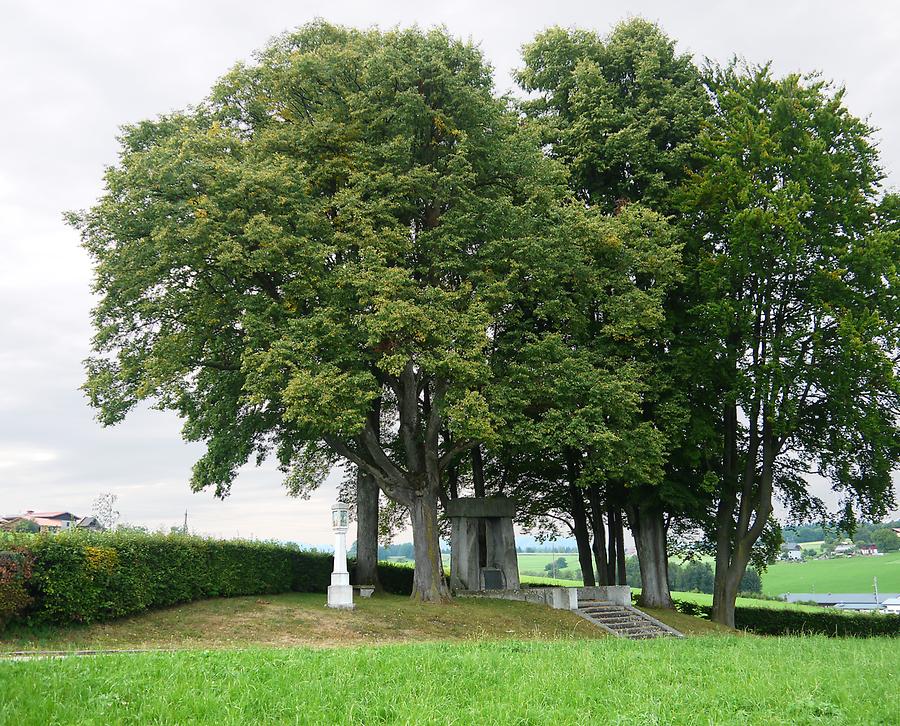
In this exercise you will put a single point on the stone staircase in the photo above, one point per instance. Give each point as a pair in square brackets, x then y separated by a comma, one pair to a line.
[624, 621]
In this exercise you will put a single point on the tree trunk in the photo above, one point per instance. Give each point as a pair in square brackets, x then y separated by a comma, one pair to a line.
[599, 538]
[429, 583]
[579, 517]
[367, 530]
[648, 526]
[725, 588]
[620, 549]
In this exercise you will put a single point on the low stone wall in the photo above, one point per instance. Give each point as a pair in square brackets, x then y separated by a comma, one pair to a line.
[616, 594]
[559, 598]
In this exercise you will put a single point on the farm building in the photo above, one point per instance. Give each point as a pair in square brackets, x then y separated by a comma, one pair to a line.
[791, 551]
[862, 601]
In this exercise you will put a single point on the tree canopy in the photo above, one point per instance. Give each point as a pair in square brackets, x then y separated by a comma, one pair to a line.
[647, 293]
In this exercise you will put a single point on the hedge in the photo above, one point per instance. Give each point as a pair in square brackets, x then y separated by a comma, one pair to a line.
[787, 621]
[85, 577]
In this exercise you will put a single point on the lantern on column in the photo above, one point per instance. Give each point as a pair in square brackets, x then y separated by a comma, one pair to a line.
[340, 593]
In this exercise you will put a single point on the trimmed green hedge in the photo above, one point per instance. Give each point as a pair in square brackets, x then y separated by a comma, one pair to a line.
[85, 577]
[785, 621]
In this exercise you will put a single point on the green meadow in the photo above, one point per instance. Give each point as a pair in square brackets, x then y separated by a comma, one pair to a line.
[702, 680]
[841, 574]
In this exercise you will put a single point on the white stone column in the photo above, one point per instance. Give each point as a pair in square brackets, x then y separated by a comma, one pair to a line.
[340, 593]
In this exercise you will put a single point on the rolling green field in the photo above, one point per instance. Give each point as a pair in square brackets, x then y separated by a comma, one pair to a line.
[842, 574]
[703, 680]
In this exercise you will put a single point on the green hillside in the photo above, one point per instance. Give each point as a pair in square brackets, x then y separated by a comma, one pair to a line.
[842, 574]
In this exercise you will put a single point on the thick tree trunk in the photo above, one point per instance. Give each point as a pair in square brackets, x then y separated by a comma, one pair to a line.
[582, 538]
[726, 586]
[579, 517]
[620, 549]
[367, 530]
[429, 583]
[648, 526]
[599, 534]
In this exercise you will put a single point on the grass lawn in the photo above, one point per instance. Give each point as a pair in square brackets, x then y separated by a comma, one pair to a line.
[302, 619]
[731, 680]
[842, 574]
[702, 598]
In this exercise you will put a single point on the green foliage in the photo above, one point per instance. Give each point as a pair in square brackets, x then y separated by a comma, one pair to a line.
[85, 576]
[785, 621]
[26, 526]
[395, 579]
[81, 576]
[621, 111]
[15, 571]
[886, 540]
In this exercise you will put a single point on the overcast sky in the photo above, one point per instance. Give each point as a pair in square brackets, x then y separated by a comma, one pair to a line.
[72, 72]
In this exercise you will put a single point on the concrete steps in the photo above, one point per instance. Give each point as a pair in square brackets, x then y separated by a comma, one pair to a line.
[624, 621]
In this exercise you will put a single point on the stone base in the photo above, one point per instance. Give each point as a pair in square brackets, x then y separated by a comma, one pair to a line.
[558, 598]
[616, 594]
[340, 596]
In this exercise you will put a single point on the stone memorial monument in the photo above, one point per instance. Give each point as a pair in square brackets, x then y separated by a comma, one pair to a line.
[482, 562]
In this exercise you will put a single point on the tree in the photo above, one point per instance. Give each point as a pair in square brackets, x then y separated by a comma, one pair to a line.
[327, 236]
[886, 540]
[104, 509]
[751, 581]
[623, 113]
[26, 526]
[795, 267]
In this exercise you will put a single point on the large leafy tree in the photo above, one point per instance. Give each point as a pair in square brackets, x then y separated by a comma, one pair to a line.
[623, 113]
[795, 268]
[308, 263]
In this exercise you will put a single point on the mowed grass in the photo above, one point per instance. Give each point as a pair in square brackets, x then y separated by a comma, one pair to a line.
[732, 680]
[294, 619]
[841, 574]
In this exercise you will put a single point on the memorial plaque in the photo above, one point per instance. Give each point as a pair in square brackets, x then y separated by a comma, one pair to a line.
[493, 578]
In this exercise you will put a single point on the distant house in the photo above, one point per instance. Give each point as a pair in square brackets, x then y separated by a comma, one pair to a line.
[896, 531]
[892, 605]
[861, 601]
[91, 523]
[9, 521]
[845, 549]
[791, 551]
[51, 521]
[868, 549]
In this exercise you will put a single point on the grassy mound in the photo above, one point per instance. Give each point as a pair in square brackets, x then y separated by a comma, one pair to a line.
[293, 619]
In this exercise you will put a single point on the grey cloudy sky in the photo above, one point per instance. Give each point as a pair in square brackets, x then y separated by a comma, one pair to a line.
[72, 72]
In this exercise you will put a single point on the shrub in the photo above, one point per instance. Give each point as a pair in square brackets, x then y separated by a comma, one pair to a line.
[15, 570]
[84, 576]
[785, 621]
[396, 579]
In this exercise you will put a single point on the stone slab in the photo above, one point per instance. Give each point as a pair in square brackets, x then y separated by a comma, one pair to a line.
[478, 507]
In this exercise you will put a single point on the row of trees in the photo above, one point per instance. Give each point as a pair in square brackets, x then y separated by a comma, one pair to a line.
[650, 296]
